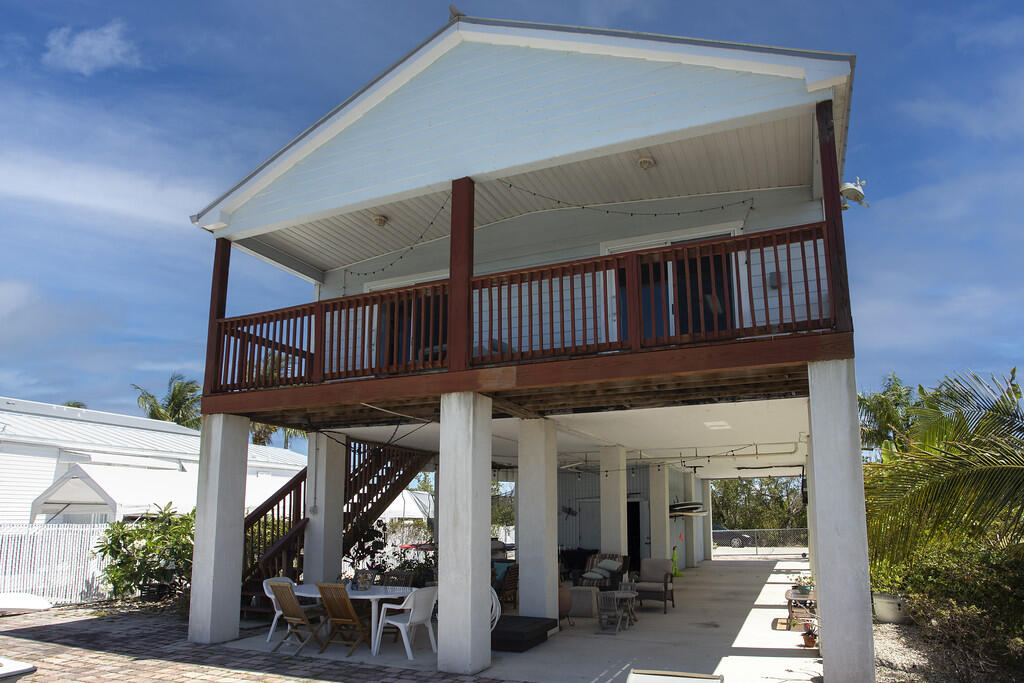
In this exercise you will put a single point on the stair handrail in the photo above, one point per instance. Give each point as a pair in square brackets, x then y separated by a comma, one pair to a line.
[260, 510]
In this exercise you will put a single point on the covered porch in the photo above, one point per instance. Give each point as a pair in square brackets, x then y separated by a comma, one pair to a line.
[725, 624]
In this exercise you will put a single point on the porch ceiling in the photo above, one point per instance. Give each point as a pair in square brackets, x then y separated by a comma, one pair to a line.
[723, 440]
[766, 155]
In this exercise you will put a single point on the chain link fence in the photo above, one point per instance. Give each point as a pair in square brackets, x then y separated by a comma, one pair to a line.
[759, 541]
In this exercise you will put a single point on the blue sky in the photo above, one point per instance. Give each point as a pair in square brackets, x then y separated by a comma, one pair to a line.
[120, 119]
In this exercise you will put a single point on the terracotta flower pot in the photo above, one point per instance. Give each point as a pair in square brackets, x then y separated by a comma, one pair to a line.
[810, 640]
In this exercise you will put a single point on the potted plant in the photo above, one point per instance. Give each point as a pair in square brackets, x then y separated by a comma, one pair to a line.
[810, 634]
[802, 583]
[887, 598]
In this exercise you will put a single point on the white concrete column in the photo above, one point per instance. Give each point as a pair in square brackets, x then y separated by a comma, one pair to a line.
[840, 539]
[325, 500]
[464, 519]
[706, 521]
[613, 500]
[537, 519]
[661, 537]
[220, 529]
[690, 528]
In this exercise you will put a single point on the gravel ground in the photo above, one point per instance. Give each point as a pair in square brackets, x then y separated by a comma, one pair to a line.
[903, 654]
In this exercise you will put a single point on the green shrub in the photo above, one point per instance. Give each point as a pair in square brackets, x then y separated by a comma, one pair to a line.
[152, 555]
[970, 599]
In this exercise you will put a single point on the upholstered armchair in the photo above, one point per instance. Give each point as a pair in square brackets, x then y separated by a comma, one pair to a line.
[656, 582]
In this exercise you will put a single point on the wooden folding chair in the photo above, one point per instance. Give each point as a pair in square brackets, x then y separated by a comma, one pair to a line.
[296, 617]
[346, 626]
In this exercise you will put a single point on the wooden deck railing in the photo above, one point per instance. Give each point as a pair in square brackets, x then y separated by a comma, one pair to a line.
[271, 522]
[764, 283]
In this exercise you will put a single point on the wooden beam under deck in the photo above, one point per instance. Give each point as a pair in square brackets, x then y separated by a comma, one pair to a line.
[742, 370]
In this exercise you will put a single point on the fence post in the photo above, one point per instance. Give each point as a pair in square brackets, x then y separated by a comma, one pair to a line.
[757, 544]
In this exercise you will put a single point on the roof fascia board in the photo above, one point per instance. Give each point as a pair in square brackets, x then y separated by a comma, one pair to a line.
[337, 120]
[488, 174]
[818, 71]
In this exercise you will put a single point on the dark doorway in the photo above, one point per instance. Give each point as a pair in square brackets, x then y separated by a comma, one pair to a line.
[633, 534]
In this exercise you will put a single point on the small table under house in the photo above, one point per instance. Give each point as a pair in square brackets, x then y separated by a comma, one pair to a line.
[374, 594]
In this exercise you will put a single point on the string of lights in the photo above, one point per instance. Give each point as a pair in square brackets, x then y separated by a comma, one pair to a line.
[619, 212]
[405, 252]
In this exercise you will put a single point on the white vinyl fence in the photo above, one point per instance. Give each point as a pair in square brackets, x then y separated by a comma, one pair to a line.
[55, 561]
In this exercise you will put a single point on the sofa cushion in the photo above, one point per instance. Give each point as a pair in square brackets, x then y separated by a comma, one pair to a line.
[595, 575]
[609, 566]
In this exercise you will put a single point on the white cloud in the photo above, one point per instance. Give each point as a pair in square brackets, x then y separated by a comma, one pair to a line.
[132, 193]
[182, 366]
[995, 115]
[1004, 33]
[90, 50]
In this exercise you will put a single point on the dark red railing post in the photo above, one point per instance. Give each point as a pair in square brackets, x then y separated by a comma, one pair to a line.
[634, 316]
[460, 322]
[218, 305]
[836, 254]
[319, 343]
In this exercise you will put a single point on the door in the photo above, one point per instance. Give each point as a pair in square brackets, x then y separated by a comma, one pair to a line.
[633, 540]
[704, 294]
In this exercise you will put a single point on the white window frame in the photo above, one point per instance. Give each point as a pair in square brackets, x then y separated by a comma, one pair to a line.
[404, 281]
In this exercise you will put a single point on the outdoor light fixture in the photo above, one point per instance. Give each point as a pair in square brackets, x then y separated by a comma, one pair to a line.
[380, 219]
[646, 163]
[853, 192]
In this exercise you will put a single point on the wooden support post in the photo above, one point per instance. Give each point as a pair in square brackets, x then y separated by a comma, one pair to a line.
[218, 305]
[833, 217]
[460, 314]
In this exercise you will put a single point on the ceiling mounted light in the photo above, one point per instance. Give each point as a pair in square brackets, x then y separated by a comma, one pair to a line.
[854, 192]
[380, 219]
[646, 163]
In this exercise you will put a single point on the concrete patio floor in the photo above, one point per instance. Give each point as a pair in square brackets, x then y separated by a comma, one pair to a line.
[722, 623]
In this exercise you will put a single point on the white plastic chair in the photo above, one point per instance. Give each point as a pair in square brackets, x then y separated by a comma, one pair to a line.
[418, 607]
[495, 609]
[273, 600]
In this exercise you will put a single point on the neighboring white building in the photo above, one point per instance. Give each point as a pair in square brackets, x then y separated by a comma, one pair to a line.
[97, 466]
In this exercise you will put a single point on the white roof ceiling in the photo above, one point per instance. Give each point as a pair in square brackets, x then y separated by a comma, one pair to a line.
[747, 434]
[88, 431]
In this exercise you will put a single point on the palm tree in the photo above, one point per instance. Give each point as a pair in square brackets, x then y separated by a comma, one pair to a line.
[887, 415]
[290, 433]
[180, 404]
[959, 474]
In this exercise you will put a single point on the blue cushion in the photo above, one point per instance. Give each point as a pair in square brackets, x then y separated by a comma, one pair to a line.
[500, 569]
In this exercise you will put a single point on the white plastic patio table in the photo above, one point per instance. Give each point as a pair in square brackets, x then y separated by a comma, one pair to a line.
[374, 594]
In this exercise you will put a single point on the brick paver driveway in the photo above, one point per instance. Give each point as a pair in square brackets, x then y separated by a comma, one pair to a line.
[82, 644]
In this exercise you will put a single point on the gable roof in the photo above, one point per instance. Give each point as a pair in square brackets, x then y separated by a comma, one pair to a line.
[136, 491]
[104, 436]
[816, 72]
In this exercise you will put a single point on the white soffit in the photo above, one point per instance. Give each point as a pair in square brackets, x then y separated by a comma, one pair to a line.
[511, 46]
[774, 430]
[764, 156]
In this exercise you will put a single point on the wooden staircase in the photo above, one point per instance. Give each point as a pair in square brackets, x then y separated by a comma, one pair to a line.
[275, 531]
[377, 474]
